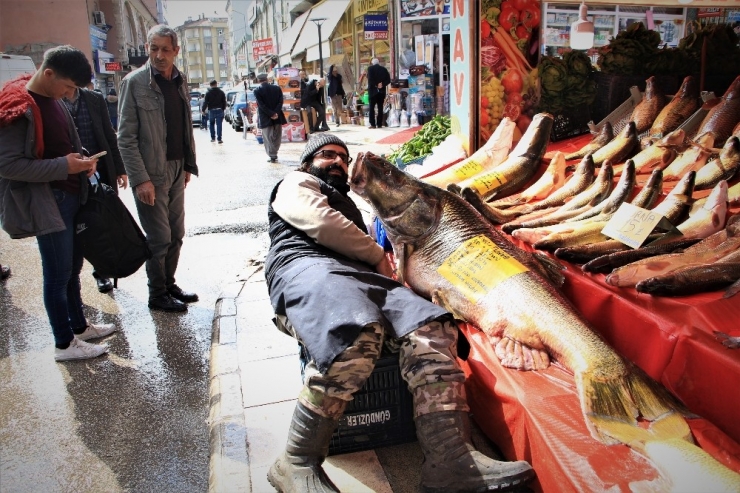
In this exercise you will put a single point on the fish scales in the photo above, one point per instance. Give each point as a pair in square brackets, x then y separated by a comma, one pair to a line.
[723, 117]
[684, 103]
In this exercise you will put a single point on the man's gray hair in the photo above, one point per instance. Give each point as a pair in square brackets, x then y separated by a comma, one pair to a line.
[375, 61]
[162, 31]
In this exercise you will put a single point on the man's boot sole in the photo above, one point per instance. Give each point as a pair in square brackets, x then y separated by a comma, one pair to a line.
[510, 484]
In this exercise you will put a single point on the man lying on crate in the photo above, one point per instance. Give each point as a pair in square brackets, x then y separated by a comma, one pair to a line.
[330, 286]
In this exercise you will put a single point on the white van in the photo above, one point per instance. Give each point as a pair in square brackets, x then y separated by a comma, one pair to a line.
[11, 66]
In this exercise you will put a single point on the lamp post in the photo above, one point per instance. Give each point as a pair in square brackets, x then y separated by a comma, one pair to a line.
[243, 44]
[318, 21]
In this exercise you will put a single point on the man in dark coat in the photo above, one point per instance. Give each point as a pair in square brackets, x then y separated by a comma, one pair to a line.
[90, 112]
[215, 104]
[331, 288]
[336, 92]
[271, 118]
[312, 96]
[378, 79]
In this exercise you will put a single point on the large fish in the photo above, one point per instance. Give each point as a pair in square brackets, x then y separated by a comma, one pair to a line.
[723, 117]
[605, 135]
[624, 145]
[708, 216]
[675, 206]
[521, 165]
[651, 190]
[690, 159]
[693, 279]
[659, 155]
[649, 108]
[449, 253]
[608, 262]
[490, 155]
[723, 167]
[684, 103]
[621, 192]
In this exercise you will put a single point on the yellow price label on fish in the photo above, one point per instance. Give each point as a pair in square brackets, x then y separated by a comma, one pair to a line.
[488, 182]
[477, 266]
[471, 168]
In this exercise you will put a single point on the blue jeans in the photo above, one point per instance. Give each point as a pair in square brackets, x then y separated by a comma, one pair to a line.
[217, 117]
[61, 264]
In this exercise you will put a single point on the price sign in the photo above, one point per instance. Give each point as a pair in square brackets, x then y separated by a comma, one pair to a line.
[631, 225]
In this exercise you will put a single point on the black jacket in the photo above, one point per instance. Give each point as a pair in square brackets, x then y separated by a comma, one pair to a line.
[269, 101]
[110, 166]
[215, 99]
[376, 74]
[335, 83]
[310, 94]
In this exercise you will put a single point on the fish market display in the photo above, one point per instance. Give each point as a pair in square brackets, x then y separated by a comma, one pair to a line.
[723, 117]
[621, 147]
[691, 159]
[521, 165]
[448, 252]
[605, 135]
[660, 154]
[723, 167]
[647, 110]
[612, 260]
[707, 217]
[684, 103]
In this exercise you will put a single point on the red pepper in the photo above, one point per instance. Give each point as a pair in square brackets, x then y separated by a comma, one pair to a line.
[530, 17]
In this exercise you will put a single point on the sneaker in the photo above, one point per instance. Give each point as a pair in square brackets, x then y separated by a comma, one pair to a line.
[220, 141]
[94, 331]
[213, 140]
[79, 350]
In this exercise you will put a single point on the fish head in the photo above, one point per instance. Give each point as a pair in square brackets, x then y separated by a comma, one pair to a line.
[733, 92]
[730, 153]
[406, 206]
[674, 138]
[685, 187]
[689, 87]
[586, 166]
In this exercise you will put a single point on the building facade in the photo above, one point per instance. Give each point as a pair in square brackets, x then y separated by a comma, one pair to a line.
[203, 53]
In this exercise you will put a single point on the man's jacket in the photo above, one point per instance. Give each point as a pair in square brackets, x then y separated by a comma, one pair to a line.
[109, 166]
[215, 99]
[142, 129]
[376, 74]
[269, 101]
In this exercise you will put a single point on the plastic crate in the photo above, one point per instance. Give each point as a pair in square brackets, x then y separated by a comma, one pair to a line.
[620, 115]
[613, 89]
[571, 123]
[381, 413]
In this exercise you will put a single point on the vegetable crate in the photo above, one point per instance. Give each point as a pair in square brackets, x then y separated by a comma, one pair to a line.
[620, 116]
[570, 123]
[613, 89]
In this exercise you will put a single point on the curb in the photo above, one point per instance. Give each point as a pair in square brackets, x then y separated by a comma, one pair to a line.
[228, 465]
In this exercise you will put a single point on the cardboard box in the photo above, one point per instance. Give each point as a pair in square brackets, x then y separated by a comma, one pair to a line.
[293, 116]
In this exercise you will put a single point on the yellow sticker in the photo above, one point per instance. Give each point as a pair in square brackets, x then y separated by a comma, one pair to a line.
[468, 169]
[488, 182]
[477, 266]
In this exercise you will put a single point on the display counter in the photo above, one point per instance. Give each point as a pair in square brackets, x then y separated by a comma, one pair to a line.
[536, 416]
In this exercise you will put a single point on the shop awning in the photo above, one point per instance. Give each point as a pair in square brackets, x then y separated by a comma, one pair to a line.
[290, 37]
[308, 41]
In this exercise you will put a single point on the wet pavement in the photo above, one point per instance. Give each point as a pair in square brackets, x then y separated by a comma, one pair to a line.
[136, 419]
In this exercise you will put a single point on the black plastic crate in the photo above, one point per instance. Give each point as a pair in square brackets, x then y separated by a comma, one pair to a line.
[381, 413]
[613, 89]
[571, 123]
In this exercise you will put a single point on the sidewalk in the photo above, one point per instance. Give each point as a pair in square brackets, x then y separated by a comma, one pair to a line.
[255, 379]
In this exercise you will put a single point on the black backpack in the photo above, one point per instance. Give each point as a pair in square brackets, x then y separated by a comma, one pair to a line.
[108, 235]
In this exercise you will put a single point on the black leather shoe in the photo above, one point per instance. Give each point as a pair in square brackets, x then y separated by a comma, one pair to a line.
[181, 295]
[104, 284]
[4, 272]
[167, 303]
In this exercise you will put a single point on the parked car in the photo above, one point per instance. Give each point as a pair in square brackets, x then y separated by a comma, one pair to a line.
[195, 111]
[229, 101]
[247, 103]
[11, 66]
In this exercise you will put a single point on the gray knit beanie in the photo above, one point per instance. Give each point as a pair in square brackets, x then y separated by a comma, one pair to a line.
[319, 140]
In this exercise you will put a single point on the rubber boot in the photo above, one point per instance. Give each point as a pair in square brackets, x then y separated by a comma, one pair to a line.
[298, 469]
[451, 463]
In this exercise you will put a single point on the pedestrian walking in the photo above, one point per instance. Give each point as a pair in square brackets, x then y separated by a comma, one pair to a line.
[43, 179]
[155, 136]
[203, 113]
[378, 79]
[336, 93]
[270, 115]
[215, 104]
[89, 111]
[312, 96]
[320, 248]
[112, 102]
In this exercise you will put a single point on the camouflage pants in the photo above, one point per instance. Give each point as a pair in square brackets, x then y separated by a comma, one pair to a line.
[427, 358]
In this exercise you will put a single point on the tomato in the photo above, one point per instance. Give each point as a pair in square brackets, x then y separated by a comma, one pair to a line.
[512, 81]
[522, 32]
[483, 118]
[513, 111]
[484, 102]
[485, 29]
[509, 17]
[530, 18]
[523, 122]
[521, 4]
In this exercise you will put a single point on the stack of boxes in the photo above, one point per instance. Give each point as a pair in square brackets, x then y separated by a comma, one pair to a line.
[424, 85]
[289, 81]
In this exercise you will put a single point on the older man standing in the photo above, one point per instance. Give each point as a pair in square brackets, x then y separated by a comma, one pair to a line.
[155, 136]
[271, 118]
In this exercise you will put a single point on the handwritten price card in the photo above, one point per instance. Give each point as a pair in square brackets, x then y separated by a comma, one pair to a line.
[631, 224]
[477, 266]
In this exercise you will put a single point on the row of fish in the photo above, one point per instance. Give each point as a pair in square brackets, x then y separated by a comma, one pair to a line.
[448, 252]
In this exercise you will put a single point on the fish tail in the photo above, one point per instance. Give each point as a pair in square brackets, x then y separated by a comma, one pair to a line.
[605, 401]
[651, 398]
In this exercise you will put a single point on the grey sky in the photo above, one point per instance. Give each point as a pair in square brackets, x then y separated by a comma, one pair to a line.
[177, 11]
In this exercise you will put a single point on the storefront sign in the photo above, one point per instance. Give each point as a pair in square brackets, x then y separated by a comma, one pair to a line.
[241, 60]
[98, 38]
[362, 7]
[462, 70]
[261, 47]
[709, 12]
[376, 26]
[102, 59]
[113, 66]
[415, 8]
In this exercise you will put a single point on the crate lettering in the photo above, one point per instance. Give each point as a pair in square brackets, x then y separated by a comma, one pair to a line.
[368, 418]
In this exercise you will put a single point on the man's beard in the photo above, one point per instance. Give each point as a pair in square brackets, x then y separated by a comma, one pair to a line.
[341, 183]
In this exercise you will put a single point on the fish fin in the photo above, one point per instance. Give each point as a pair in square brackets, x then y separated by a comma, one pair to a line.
[550, 268]
[670, 426]
[491, 213]
[651, 398]
[400, 254]
[732, 290]
[518, 356]
[453, 188]
[439, 297]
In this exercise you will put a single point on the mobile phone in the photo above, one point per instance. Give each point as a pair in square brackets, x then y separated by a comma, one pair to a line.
[98, 155]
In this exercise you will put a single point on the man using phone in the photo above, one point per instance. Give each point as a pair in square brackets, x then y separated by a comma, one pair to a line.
[90, 113]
